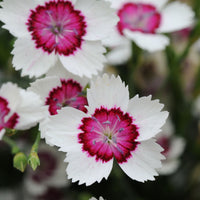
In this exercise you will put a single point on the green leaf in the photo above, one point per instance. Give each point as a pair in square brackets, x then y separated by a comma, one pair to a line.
[20, 161]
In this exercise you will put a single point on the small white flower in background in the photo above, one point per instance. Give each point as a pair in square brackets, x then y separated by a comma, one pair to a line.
[100, 198]
[19, 109]
[113, 127]
[144, 21]
[173, 148]
[50, 30]
[57, 90]
[120, 53]
[152, 73]
[50, 173]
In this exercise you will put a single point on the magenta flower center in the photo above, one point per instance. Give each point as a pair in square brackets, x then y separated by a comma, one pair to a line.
[107, 134]
[57, 27]
[138, 17]
[68, 94]
[7, 120]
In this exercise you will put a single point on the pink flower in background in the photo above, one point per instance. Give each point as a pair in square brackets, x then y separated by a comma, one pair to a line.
[58, 30]
[114, 127]
[144, 21]
[49, 175]
[173, 148]
[16, 104]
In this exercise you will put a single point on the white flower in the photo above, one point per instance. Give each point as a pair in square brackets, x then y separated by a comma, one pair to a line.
[113, 127]
[93, 198]
[19, 109]
[144, 21]
[119, 53]
[62, 89]
[50, 30]
[173, 147]
[50, 173]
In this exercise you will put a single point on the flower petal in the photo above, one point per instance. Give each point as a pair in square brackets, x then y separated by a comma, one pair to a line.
[86, 61]
[14, 13]
[176, 148]
[176, 16]
[119, 54]
[169, 166]
[2, 132]
[118, 3]
[145, 159]
[147, 116]
[114, 39]
[93, 198]
[63, 128]
[43, 129]
[11, 92]
[86, 169]
[30, 103]
[149, 42]
[23, 103]
[32, 61]
[109, 92]
[97, 12]
[157, 3]
[61, 72]
[43, 86]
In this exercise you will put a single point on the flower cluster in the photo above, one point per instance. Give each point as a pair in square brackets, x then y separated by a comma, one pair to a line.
[114, 127]
[89, 115]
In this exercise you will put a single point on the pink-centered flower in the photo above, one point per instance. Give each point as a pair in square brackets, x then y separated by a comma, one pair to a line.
[16, 104]
[48, 31]
[173, 148]
[50, 173]
[57, 90]
[144, 21]
[114, 127]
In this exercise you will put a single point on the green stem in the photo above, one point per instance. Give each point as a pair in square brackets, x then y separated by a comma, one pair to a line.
[33, 159]
[14, 148]
[133, 65]
[180, 112]
[194, 36]
[36, 143]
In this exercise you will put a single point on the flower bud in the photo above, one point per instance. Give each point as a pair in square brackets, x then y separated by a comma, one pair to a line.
[20, 161]
[33, 160]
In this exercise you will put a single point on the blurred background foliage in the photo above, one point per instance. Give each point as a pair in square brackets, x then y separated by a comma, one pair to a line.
[173, 76]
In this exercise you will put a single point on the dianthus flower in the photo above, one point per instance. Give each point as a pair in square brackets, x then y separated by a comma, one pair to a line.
[50, 30]
[19, 109]
[57, 90]
[173, 148]
[114, 127]
[50, 173]
[144, 21]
